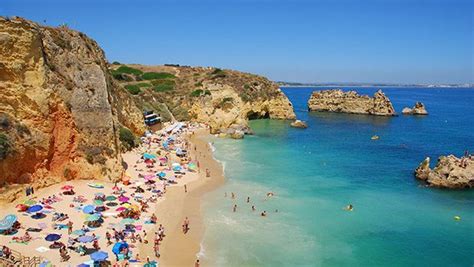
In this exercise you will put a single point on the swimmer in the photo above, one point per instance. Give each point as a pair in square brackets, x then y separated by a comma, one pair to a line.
[270, 194]
[349, 207]
[264, 213]
[235, 208]
[253, 208]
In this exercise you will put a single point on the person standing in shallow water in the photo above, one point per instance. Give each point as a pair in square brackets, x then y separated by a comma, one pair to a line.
[248, 199]
[234, 209]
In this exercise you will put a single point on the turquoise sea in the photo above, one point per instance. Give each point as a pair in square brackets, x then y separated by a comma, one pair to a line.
[315, 172]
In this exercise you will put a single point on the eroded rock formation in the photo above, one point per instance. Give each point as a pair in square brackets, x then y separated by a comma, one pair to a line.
[418, 109]
[299, 124]
[224, 99]
[59, 107]
[350, 102]
[449, 172]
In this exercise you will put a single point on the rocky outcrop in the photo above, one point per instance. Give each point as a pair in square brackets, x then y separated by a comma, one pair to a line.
[224, 99]
[418, 109]
[449, 172]
[60, 109]
[299, 124]
[350, 102]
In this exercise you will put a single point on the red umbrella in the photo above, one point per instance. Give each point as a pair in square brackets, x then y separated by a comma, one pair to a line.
[67, 187]
[21, 207]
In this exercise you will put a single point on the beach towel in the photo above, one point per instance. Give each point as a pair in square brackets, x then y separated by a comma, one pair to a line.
[42, 249]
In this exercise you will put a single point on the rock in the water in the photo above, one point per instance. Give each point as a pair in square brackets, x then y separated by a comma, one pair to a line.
[237, 135]
[449, 172]
[299, 124]
[350, 102]
[418, 109]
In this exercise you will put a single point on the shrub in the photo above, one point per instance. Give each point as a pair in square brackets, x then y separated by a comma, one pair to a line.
[5, 146]
[127, 138]
[163, 85]
[127, 69]
[116, 63]
[4, 122]
[133, 89]
[157, 75]
[198, 84]
[196, 93]
[217, 71]
[143, 85]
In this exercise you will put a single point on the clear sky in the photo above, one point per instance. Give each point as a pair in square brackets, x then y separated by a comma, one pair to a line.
[306, 41]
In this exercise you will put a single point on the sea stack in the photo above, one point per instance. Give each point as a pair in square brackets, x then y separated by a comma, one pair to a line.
[299, 124]
[449, 172]
[339, 101]
[418, 109]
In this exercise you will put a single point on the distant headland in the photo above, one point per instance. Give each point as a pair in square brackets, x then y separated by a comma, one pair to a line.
[355, 84]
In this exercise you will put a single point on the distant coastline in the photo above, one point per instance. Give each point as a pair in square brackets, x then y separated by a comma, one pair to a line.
[296, 84]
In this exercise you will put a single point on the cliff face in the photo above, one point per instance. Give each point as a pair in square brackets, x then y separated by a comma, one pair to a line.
[449, 172]
[350, 102]
[224, 99]
[60, 110]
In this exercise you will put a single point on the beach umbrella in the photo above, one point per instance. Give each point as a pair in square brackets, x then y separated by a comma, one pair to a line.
[123, 199]
[148, 156]
[83, 265]
[93, 217]
[127, 221]
[161, 174]
[99, 256]
[98, 202]
[88, 209]
[111, 204]
[95, 185]
[85, 239]
[192, 166]
[46, 264]
[149, 161]
[21, 207]
[7, 222]
[78, 232]
[35, 208]
[99, 194]
[67, 187]
[52, 237]
[111, 198]
[29, 202]
[163, 160]
[120, 209]
[119, 246]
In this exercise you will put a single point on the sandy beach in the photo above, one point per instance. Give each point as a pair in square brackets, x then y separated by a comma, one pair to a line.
[171, 208]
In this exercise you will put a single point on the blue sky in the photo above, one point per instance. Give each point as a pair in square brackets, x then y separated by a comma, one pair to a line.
[307, 41]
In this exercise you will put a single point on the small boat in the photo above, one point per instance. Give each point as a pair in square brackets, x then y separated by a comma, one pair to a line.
[375, 137]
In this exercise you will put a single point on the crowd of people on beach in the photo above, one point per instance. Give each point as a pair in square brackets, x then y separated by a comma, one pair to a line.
[114, 218]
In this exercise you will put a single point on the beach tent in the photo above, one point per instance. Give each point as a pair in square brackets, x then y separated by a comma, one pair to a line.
[7, 222]
[88, 209]
[35, 208]
[99, 256]
[119, 246]
[52, 237]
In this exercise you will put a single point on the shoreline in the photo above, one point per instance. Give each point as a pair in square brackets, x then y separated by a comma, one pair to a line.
[180, 249]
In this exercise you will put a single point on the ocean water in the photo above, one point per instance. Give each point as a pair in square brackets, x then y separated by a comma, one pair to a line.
[315, 172]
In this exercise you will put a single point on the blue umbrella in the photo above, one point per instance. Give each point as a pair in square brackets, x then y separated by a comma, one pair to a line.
[99, 256]
[35, 208]
[89, 209]
[85, 239]
[52, 237]
[7, 222]
[78, 232]
[161, 174]
[83, 265]
[119, 246]
[149, 156]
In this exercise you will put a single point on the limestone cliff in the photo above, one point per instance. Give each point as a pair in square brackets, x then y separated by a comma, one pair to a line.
[224, 99]
[350, 102]
[60, 110]
[449, 172]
